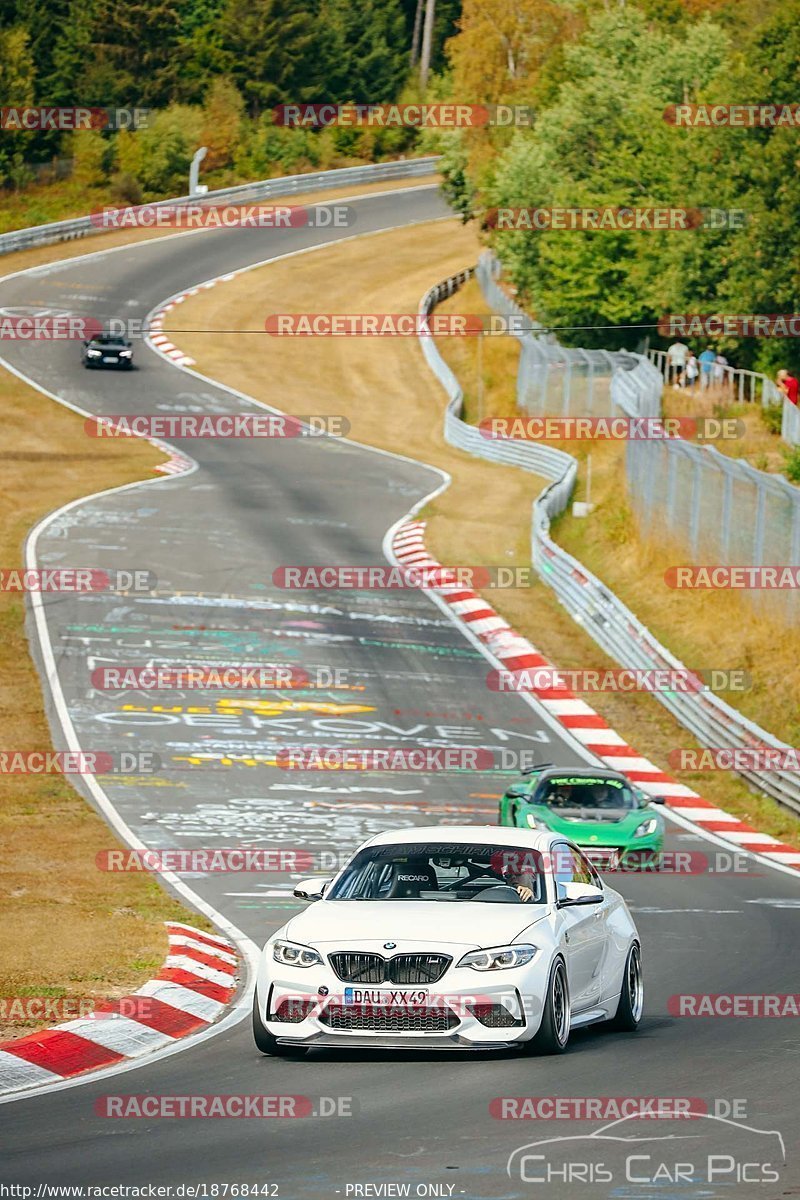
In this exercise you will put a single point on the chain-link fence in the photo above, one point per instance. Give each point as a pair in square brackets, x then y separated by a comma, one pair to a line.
[716, 508]
[592, 605]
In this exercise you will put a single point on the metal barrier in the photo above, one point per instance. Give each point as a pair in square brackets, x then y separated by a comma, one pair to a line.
[286, 185]
[719, 509]
[589, 602]
[735, 385]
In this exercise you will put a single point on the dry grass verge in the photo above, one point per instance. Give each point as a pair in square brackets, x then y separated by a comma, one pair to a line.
[382, 385]
[68, 929]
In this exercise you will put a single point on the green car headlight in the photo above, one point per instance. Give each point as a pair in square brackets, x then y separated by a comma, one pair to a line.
[647, 827]
[536, 822]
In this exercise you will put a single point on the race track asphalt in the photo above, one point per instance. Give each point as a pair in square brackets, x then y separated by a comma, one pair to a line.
[212, 539]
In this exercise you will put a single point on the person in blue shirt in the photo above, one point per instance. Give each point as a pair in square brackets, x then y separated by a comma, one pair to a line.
[707, 360]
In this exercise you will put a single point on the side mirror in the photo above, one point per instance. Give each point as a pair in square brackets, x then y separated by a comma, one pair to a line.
[311, 889]
[86, 343]
[645, 799]
[517, 791]
[577, 893]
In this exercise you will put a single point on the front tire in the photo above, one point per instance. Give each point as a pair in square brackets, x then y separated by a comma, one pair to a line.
[267, 1043]
[553, 1034]
[631, 1000]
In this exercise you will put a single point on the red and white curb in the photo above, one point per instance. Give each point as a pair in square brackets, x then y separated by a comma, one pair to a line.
[190, 992]
[158, 340]
[515, 653]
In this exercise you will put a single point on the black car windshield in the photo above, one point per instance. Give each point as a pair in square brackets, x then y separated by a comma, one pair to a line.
[446, 873]
[109, 339]
[577, 791]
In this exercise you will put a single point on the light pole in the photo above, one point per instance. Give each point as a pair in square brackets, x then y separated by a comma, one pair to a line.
[194, 171]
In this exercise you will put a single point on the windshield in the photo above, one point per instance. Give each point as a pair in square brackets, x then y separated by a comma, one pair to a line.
[109, 339]
[455, 873]
[579, 791]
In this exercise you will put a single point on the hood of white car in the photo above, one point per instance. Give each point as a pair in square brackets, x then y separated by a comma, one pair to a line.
[434, 922]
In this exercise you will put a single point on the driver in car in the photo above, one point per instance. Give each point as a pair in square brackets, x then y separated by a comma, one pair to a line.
[522, 881]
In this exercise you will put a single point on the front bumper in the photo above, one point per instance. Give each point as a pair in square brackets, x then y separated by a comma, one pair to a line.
[641, 853]
[463, 1010]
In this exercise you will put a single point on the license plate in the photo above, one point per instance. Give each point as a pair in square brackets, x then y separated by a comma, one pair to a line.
[385, 998]
[107, 358]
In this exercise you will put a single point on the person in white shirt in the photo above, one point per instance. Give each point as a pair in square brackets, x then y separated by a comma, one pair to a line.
[677, 356]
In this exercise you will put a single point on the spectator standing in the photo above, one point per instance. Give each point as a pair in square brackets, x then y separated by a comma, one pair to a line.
[788, 385]
[707, 360]
[677, 355]
[718, 374]
[691, 372]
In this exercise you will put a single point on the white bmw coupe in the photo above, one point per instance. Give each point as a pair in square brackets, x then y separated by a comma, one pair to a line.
[451, 937]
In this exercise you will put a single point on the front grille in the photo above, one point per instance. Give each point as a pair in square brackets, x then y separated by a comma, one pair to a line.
[352, 967]
[493, 1016]
[388, 1019]
[417, 968]
[359, 968]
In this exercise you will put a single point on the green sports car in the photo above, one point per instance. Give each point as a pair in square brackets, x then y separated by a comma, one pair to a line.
[612, 821]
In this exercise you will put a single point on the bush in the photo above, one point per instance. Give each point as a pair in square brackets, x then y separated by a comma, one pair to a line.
[792, 464]
[91, 155]
[772, 416]
[126, 188]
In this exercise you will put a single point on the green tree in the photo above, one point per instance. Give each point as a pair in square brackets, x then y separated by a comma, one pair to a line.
[364, 50]
[17, 89]
[269, 49]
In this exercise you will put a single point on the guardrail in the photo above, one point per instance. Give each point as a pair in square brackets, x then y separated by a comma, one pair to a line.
[713, 722]
[286, 185]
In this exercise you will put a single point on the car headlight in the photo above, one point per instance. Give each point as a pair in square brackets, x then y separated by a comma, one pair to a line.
[498, 958]
[647, 827]
[536, 822]
[125, 353]
[293, 955]
[93, 353]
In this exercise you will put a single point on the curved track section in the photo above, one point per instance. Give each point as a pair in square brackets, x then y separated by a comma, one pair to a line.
[213, 538]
